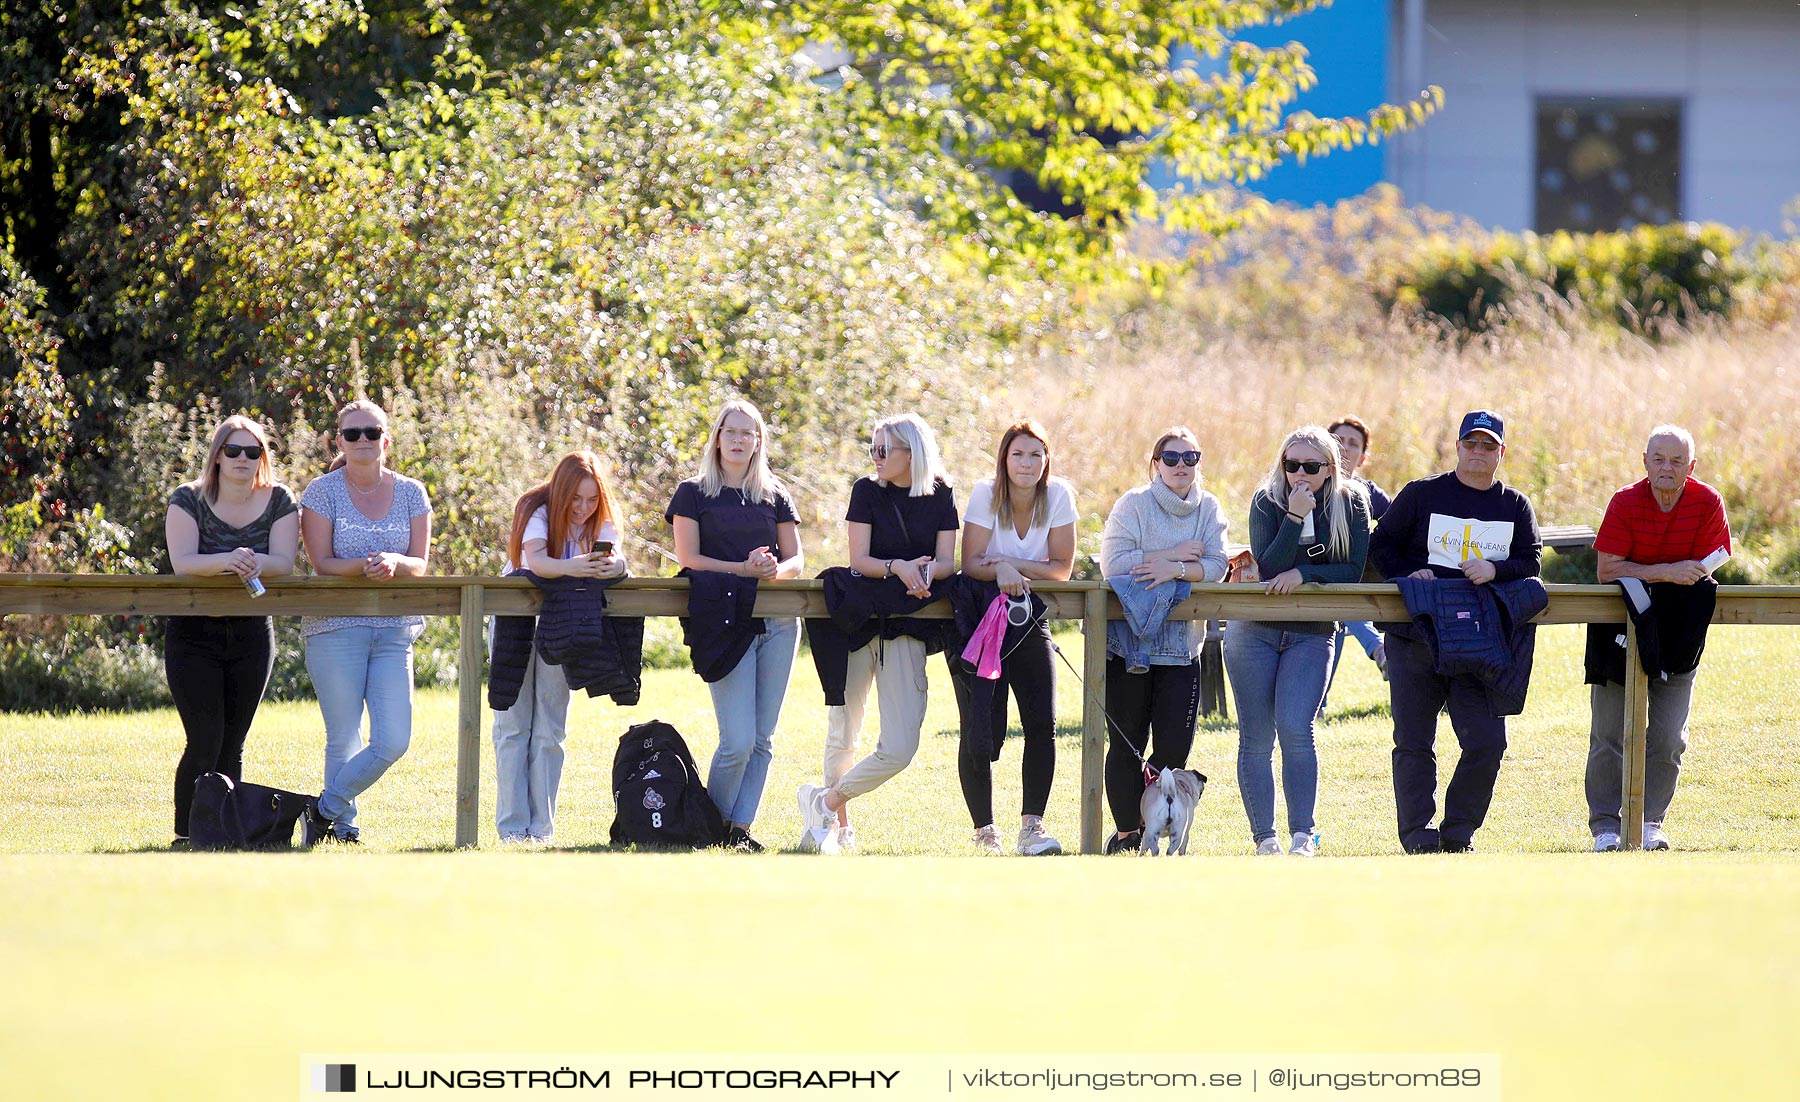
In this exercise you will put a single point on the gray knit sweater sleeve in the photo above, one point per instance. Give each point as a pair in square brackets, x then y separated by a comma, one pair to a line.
[1214, 563]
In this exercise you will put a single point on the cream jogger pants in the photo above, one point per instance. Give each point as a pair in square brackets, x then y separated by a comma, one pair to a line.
[900, 686]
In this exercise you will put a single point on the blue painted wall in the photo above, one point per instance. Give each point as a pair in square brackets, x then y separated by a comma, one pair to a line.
[1347, 46]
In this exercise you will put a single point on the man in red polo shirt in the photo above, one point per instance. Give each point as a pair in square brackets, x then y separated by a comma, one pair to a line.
[1659, 529]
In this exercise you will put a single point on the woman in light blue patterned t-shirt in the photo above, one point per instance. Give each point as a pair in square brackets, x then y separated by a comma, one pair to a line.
[361, 519]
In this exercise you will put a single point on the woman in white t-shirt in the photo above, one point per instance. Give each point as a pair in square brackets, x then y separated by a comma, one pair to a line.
[563, 528]
[1019, 528]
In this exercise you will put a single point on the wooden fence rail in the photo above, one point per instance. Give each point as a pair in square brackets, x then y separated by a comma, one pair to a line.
[474, 598]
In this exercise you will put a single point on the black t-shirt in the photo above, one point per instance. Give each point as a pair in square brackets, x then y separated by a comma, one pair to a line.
[902, 526]
[731, 526]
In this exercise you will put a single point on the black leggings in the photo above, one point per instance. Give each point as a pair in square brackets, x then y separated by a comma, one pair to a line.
[982, 706]
[218, 667]
[1160, 706]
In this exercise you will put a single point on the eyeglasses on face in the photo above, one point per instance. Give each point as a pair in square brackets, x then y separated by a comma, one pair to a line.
[1310, 466]
[1479, 444]
[232, 451]
[739, 434]
[373, 432]
[1179, 459]
[878, 452]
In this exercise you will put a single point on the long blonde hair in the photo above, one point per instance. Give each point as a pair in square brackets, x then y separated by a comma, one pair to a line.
[760, 483]
[1337, 490]
[208, 482]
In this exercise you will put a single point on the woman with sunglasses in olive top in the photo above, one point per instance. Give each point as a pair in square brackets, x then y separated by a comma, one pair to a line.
[1167, 530]
[1308, 523]
[234, 519]
[1019, 528]
[361, 520]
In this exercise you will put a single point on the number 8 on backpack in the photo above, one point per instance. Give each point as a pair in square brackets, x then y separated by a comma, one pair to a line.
[658, 793]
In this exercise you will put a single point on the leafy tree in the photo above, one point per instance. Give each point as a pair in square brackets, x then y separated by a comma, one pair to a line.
[621, 201]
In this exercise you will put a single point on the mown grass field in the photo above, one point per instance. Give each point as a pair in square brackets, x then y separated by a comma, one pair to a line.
[136, 972]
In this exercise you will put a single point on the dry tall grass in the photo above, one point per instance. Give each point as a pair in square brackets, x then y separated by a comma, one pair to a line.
[1578, 402]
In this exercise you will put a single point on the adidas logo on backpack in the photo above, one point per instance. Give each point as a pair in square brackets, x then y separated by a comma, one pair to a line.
[658, 793]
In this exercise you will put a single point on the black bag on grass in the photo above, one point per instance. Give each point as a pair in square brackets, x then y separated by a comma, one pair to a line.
[239, 815]
[657, 790]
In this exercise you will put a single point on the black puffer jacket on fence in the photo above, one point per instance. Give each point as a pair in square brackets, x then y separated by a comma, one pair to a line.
[600, 653]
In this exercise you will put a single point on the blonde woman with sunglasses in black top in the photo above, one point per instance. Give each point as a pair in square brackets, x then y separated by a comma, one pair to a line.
[1308, 523]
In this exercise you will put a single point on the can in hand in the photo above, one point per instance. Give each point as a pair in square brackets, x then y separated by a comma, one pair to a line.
[253, 586]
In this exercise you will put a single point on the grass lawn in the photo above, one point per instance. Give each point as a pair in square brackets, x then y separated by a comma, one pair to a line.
[136, 972]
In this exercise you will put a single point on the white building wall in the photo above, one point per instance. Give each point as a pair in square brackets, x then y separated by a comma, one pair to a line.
[1733, 64]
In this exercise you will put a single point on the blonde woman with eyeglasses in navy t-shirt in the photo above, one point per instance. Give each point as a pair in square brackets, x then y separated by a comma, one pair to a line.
[736, 518]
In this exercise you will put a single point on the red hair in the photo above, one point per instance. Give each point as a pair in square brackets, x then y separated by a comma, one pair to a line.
[558, 494]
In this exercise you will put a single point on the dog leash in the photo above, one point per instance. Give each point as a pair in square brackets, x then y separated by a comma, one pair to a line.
[1150, 772]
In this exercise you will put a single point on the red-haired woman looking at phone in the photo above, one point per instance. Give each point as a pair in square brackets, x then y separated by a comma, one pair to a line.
[562, 528]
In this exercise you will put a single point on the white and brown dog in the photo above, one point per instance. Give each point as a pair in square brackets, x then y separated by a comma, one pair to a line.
[1168, 808]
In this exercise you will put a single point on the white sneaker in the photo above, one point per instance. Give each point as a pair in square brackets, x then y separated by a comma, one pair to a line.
[1606, 841]
[1268, 847]
[1654, 838]
[845, 838]
[1303, 845]
[1033, 842]
[987, 840]
[813, 812]
[515, 839]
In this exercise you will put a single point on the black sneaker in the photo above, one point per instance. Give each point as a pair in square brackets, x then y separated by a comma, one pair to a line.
[739, 839]
[314, 827]
[350, 836]
[1458, 847]
[181, 842]
[1124, 843]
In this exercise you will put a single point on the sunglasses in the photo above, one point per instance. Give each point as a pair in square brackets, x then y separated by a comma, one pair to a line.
[232, 451]
[1310, 466]
[878, 452]
[353, 435]
[1479, 444]
[1182, 459]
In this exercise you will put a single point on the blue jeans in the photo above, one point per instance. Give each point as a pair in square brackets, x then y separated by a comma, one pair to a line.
[528, 753]
[351, 667]
[747, 702]
[1278, 679]
[1365, 634]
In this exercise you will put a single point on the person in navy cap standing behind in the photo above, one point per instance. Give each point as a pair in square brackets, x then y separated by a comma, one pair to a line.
[1462, 523]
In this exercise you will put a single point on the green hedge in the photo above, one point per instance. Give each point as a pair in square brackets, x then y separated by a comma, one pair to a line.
[1640, 278]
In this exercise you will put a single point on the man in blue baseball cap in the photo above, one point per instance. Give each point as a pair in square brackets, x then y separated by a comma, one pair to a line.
[1464, 523]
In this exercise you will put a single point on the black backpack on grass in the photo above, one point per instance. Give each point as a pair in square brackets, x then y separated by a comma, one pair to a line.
[657, 790]
[232, 814]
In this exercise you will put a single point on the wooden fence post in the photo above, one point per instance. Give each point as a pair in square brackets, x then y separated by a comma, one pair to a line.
[1637, 722]
[468, 717]
[1093, 717]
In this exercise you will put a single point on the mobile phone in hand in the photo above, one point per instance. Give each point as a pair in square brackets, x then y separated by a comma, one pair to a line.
[603, 547]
